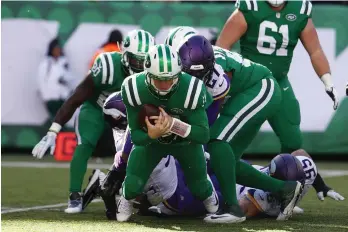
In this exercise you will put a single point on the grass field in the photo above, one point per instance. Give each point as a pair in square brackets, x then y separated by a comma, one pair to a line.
[46, 188]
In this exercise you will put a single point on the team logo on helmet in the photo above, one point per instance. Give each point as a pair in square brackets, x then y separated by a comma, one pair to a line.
[126, 42]
[147, 61]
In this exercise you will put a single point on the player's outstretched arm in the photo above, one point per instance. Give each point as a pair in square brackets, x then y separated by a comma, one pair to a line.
[319, 185]
[81, 94]
[310, 41]
[233, 29]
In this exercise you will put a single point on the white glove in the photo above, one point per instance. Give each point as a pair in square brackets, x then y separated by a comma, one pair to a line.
[154, 197]
[332, 194]
[48, 141]
[331, 91]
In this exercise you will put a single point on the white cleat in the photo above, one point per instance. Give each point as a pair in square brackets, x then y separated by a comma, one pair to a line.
[226, 214]
[297, 210]
[212, 203]
[75, 203]
[225, 218]
[124, 210]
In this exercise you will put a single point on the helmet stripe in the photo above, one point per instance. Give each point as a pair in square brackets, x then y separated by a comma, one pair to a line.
[160, 59]
[189, 33]
[172, 36]
[147, 42]
[169, 61]
[140, 42]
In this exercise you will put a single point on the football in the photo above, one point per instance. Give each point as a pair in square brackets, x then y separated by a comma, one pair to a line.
[147, 110]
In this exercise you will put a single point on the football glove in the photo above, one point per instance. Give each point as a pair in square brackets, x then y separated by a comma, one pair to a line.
[154, 197]
[328, 192]
[331, 91]
[48, 141]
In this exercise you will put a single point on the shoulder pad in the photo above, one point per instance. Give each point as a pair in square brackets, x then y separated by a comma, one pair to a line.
[193, 93]
[219, 84]
[131, 90]
[247, 5]
[306, 7]
[104, 65]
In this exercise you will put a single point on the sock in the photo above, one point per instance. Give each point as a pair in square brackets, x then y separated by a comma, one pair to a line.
[249, 176]
[78, 166]
[223, 163]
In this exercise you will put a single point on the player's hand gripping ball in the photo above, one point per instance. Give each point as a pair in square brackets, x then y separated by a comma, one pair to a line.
[147, 110]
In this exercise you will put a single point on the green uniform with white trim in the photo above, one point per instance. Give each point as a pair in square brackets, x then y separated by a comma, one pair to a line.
[187, 102]
[270, 39]
[108, 74]
[254, 96]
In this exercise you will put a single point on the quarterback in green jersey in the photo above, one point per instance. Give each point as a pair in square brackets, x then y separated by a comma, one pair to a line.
[180, 129]
[268, 32]
[106, 76]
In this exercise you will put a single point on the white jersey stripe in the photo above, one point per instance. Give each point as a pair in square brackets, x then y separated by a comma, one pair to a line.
[189, 92]
[104, 66]
[111, 65]
[198, 92]
[135, 88]
[126, 86]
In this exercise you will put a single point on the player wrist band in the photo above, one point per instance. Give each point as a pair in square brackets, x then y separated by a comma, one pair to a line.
[180, 128]
[55, 127]
[327, 80]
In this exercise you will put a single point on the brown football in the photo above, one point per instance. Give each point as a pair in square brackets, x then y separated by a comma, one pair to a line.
[147, 110]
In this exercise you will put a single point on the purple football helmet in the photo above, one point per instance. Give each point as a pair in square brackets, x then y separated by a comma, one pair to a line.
[197, 57]
[286, 167]
[115, 111]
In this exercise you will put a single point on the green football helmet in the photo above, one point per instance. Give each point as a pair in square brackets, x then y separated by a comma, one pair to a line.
[134, 48]
[162, 63]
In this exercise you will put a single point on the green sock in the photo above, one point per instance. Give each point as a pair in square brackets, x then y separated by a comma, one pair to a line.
[78, 166]
[223, 163]
[249, 176]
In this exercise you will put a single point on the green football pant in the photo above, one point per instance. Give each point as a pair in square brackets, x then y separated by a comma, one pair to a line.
[89, 127]
[238, 123]
[143, 160]
[286, 122]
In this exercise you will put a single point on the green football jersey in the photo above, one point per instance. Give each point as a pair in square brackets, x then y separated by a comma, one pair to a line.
[108, 74]
[244, 72]
[272, 36]
[187, 103]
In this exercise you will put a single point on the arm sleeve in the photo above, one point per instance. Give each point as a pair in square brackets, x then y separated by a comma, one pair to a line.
[127, 146]
[213, 110]
[138, 136]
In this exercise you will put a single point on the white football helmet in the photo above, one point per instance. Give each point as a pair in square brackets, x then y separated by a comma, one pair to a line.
[177, 35]
[134, 48]
[276, 3]
[162, 62]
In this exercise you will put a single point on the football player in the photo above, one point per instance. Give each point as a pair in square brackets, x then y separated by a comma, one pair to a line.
[164, 85]
[268, 32]
[253, 97]
[106, 76]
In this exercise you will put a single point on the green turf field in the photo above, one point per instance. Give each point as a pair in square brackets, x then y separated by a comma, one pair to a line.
[24, 188]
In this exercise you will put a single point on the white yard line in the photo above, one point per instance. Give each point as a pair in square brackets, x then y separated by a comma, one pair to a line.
[39, 207]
